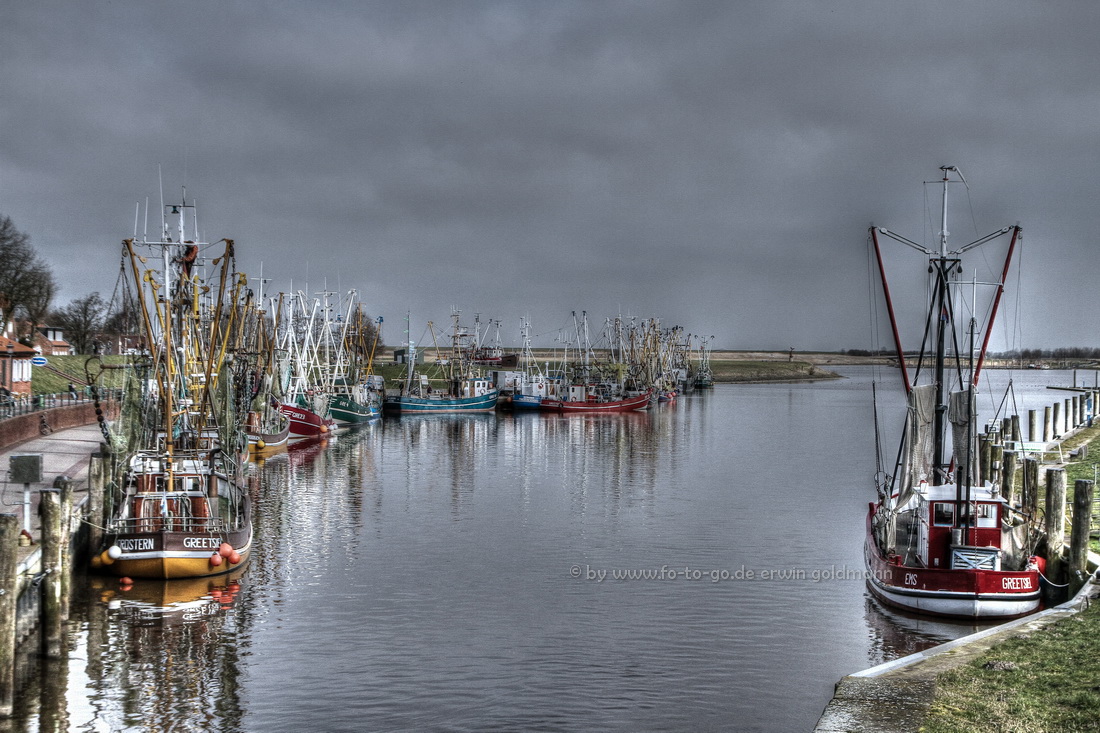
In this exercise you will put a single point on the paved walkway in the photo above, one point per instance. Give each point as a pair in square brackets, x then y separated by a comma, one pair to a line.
[64, 453]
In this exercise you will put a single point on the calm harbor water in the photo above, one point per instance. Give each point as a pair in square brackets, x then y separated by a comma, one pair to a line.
[696, 567]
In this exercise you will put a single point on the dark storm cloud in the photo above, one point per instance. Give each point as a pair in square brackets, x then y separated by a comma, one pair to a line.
[712, 164]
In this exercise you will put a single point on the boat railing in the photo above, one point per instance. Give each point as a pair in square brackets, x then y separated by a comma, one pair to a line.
[169, 511]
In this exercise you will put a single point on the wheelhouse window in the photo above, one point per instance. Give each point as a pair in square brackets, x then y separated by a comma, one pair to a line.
[943, 514]
[986, 515]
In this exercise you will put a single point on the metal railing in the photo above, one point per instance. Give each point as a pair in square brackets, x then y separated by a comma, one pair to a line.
[16, 405]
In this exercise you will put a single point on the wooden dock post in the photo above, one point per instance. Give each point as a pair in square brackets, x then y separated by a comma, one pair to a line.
[1079, 533]
[985, 465]
[49, 502]
[1056, 522]
[1067, 412]
[1016, 428]
[996, 458]
[66, 486]
[97, 482]
[1046, 424]
[1030, 494]
[1056, 420]
[1032, 425]
[1008, 477]
[9, 548]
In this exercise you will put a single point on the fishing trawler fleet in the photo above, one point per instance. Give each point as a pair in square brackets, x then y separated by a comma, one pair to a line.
[222, 375]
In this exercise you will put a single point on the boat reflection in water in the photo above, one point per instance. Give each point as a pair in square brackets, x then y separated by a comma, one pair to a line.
[894, 633]
[157, 657]
[170, 602]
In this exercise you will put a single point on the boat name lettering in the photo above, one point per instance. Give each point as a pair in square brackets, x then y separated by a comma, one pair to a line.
[911, 579]
[1016, 583]
[202, 543]
[142, 543]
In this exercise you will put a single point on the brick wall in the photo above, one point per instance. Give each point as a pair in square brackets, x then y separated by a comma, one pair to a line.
[22, 428]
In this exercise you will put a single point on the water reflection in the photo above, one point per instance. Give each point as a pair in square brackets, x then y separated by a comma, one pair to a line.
[894, 634]
[154, 656]
[418, 573]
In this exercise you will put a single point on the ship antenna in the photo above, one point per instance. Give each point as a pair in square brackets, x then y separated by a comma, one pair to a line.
[163, 219]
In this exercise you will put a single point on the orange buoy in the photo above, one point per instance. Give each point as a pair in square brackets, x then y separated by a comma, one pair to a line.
[225, 549]
[125, 580]
[234, 557]
[215, 559]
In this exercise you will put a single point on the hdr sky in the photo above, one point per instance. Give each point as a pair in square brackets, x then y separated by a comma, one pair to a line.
[713, 164]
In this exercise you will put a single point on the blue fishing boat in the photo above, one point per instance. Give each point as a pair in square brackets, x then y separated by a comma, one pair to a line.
[465, 390]
[475, 395]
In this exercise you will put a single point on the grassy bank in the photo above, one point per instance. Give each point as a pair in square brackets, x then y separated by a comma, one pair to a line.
[745, 370]
[45, 381]
[1047, 681]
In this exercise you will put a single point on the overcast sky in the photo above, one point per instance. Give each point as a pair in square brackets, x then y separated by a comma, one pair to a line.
[713, 164]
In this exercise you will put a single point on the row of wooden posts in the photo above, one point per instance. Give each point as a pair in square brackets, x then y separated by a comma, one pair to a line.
[56, 510]
[1000, 451]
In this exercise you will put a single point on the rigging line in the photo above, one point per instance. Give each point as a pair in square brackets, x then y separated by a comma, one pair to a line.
[973, 221]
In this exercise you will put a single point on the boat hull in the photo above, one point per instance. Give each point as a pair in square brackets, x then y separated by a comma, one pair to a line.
[526, 402]
[306, 423]
[346, 411]
[171, 559]
[638, 402]
[263, 444]
[441, 405]
[968, 594]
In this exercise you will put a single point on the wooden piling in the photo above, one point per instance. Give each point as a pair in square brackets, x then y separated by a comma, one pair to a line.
[1056, 522]
[1068, 415]
[1047, 425]
[984, 463]
[1031, 486]
[1008, 477]
[49, 502]
[1032, 425]
[97, 482]
[1079, 531]
[1056, 420]
[1015, 420]
[996, 458]
[66, 547]
[9, 544]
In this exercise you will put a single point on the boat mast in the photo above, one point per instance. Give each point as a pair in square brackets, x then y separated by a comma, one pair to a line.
[943, 267]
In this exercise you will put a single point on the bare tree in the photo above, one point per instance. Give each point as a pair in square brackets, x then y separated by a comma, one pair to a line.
[82, 320]
[25, 281]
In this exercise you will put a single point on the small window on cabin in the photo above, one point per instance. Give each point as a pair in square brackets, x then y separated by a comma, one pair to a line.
[987, 515]
[943, 514]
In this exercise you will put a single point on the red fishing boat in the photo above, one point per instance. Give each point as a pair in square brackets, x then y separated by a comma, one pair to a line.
[943, 539]
[582, 398]
[305, 423]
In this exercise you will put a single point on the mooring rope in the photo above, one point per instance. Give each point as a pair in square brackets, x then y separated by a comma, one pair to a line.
[1056, 585]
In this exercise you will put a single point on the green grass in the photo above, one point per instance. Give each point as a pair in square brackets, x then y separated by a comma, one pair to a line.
[736, 370]
[1052, 683]
[44, 381]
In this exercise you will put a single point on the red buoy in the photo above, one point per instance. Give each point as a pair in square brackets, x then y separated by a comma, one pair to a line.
[215, 559]
[234, 557]
[225, 549]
